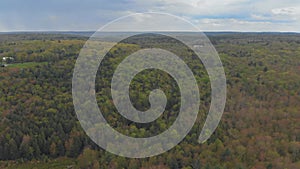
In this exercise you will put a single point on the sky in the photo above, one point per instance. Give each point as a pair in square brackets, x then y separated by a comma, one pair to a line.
[207, 15]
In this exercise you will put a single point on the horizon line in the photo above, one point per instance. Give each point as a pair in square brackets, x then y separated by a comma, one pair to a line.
[203, 31]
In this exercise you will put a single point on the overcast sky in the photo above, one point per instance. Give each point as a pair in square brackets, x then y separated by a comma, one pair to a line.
[208, 15]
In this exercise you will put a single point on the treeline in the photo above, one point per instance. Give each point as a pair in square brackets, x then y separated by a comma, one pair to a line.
[47, 50]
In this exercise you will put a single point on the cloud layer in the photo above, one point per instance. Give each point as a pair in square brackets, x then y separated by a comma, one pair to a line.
[208, 15]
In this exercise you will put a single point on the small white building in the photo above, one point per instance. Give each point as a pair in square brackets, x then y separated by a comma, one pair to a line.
[4, 59]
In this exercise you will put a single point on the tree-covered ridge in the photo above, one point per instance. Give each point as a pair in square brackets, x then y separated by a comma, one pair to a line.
[260, 127]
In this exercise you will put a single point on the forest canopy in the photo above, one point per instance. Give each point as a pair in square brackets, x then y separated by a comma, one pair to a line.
[260, 127]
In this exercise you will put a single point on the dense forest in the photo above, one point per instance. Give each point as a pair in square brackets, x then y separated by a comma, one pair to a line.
[260, 127]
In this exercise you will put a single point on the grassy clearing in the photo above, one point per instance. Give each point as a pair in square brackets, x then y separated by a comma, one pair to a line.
[55, 164]
[25, 65]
